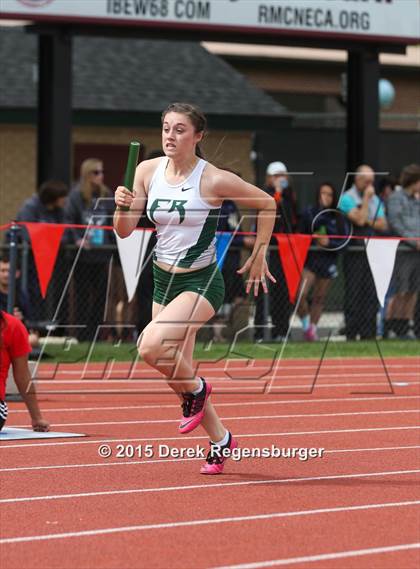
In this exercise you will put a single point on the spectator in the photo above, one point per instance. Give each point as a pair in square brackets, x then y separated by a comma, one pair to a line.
[278, 185]
[21, 309]
[235, 295]
[90, 203]
[404, 220]
[14, 350]
[321, 264]
[46, 206]
[417, 309]
[385, 188]
[417, 318]
[364, 210]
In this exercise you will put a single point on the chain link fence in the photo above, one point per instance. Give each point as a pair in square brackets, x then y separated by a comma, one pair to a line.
[87, 291]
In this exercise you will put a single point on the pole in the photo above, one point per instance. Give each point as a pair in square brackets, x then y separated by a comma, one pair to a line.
[12, 267]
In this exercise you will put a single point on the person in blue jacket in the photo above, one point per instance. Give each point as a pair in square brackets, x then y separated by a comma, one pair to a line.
[320, 268]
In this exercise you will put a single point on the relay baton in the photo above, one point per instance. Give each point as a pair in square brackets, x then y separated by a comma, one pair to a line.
[133, 158]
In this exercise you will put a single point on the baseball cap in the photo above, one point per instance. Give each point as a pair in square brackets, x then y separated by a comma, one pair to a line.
[276, 168]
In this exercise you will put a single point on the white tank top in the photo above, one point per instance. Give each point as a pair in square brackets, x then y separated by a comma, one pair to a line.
[185, 223]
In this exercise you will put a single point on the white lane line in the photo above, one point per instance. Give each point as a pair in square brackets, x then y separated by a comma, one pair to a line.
[369, 449]
[184, 438]
[160, 460]
[390, 397]
[220, 390]
[243, 418]
[203, 486]
[323, 556]
[245, 378]
[209, 521]
[326, 366]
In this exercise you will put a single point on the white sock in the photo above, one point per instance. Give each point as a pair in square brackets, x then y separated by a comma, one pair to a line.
[199, 388]
[222, 442]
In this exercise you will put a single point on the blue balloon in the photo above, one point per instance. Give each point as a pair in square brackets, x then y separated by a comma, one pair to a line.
[386, 93]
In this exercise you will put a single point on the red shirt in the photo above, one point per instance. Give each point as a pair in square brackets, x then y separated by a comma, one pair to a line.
[14, 344]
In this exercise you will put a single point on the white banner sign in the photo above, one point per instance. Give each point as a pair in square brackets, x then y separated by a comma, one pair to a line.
[376, 20]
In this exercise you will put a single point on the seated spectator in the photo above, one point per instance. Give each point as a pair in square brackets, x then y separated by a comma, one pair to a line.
[366, 213]
[46, 206]
[21, 309]
[386, 186]
[14, 350]
[321, 264]
[278, 184]
[90, 203]
[404, 221]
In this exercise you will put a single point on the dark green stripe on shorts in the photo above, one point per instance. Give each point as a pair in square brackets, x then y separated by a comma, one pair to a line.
[207, 282]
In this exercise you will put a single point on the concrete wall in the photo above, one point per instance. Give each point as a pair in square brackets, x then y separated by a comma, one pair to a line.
[17, 167]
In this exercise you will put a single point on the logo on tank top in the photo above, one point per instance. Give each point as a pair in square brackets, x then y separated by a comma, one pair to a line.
[176, 205]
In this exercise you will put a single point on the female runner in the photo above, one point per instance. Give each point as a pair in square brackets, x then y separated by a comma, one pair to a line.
[184, 193]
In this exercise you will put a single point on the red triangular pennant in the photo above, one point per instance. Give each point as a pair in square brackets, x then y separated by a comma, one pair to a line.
[45, 239]
[293, 249]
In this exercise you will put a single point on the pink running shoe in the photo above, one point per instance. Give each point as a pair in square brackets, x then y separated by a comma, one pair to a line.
[193, 408]
[310, 334]
[217, 456]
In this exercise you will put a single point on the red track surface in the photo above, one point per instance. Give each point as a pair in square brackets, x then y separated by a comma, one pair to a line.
[63, 506]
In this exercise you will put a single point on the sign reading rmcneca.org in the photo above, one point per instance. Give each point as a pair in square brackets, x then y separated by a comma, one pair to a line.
[376, 20]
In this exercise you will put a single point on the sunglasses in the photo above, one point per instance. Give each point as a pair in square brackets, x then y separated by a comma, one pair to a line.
[97, 172]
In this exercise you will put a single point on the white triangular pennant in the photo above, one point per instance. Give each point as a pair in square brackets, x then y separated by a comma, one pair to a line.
[381, 256]
[132, 250]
